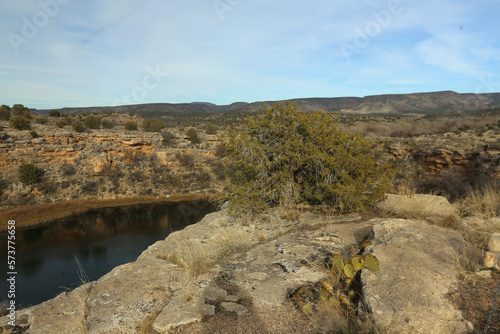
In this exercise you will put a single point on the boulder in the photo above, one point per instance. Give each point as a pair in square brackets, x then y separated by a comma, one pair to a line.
[418, 268]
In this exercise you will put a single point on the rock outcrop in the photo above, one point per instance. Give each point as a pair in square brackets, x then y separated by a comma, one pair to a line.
[221, 268]
[418, 269]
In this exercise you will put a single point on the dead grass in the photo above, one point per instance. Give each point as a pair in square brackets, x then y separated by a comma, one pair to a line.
[198, 258]
[482, 203]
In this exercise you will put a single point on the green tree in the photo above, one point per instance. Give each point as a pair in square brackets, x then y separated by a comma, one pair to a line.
[287, 156]
[192, 135]
[130, 126]
[152, 125]
[4, 112]
[210, 129]
[29, 174]
[54, 113]
[21, 123]
[92, 122]
[20, 110]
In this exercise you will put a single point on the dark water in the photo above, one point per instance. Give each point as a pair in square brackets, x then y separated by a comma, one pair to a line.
[100, 240]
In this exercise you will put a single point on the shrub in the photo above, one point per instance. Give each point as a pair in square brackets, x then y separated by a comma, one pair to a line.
[130, 126]
[186, 159]
[29, 174]
[168, 138]
[68, 169]
[20, 110]
[92, 122]
[54, 113]
[4, 112]
[108, 124]
[42, 120]
[211, 129]
[78, 126]
[33, 134]
[287, 156]
[192, 135]
[89, 187]
[21, 123]
[152, 125]
[47, 187]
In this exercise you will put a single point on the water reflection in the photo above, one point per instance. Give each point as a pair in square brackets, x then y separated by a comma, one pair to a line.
[100, 240]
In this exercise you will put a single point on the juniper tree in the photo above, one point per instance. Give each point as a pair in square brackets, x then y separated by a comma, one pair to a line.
[287, 156]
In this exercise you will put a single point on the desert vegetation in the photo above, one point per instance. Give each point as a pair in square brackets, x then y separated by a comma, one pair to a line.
[286, 157]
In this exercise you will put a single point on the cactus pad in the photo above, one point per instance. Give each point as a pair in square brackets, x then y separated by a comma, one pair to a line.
[337, 262]
[307, 309]
[326, 286]
[357, 262]
[366, 243]
[371, 262]
[349, 271]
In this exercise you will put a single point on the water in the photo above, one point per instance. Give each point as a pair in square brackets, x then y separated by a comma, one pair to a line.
[47, 256]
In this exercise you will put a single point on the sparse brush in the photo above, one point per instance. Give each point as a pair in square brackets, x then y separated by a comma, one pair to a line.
[483, 203]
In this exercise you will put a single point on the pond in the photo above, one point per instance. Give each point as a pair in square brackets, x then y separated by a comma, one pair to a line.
[48, 257]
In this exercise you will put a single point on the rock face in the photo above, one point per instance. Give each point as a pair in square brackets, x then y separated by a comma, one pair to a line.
[239, 269]
[105, 163]
[417, 270]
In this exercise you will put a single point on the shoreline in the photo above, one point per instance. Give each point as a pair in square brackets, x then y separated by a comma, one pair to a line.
[34, 215]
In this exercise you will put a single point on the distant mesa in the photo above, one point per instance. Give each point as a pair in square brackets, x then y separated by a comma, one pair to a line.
[418, 103]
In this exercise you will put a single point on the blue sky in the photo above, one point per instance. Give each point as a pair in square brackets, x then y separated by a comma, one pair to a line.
[69, 53]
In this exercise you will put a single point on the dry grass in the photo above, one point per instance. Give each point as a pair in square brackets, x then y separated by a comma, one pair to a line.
[482, 203]
[199, 258]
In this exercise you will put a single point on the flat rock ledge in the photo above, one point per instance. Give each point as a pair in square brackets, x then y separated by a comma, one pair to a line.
[418, 267]
[245, 270]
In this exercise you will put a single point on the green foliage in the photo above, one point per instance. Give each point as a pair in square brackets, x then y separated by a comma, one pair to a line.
[287, 156]
[20, 110]
[21, 123]
[92, 122]
[62, 122]
[29, 174]
[152, 125]
[33, 134]
[54, 113]
[210, 129]
[4, 112]
[192, 135]
[78, 126]
[130, 126]
[108, 124]
[42, 120]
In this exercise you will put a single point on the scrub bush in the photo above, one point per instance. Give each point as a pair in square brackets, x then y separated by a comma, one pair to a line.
[287, 156]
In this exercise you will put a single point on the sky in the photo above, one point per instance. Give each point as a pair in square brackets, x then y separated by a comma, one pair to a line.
[69, 53]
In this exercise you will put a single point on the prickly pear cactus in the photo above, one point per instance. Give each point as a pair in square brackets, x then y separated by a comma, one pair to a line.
[366, 243]
[326, 286]
[337, 262]
[371, 262]
[357, 262]
[349, 271]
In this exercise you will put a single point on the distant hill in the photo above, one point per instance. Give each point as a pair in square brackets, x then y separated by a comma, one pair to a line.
[420, 103]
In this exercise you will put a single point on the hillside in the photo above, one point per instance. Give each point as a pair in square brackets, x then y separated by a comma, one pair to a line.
[420, 103]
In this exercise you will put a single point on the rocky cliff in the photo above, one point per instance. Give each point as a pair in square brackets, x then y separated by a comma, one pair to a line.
[105, 163]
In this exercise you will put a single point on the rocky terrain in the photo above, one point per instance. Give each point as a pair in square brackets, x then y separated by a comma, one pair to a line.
[239, 276]
[105, 163]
